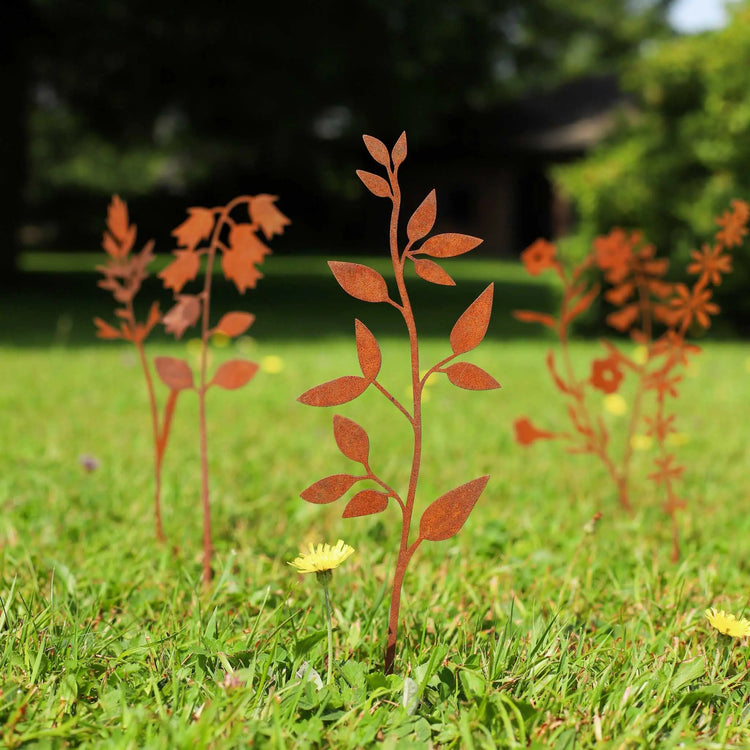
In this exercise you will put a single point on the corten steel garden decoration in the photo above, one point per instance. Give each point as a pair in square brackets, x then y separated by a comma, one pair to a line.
[124, 274]
[232, 231]
[643, 300]
[444, 517]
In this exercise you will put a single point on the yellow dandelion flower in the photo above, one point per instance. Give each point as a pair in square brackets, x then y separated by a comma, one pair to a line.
[220, 340]
[640, 355]
[615, 404]
[431, 380]
[728, 624]
[323, 557]
[641, 442]
[272, 363]
[677, 438]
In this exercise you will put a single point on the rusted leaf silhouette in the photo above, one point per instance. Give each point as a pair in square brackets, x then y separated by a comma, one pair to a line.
[431, 271]
[235, 323]
[366, 503]
[471, 377]
[643, 301]
[194, 230]
[447, 514]
[234, 374]
[328, 489]
[529, 316]
[182, 270]
[174, 373]
[264, 214]
[423, 219]
[360, 281]
[448, 245]
[335, 392]
[368, 351]
[471, 327]
[444, 517]
[351, 439]
[185, 314]
[376, 185]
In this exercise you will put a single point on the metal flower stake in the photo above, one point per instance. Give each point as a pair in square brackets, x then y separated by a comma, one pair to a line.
[444, 516]
[231, 231]
[124, 274]
[659, 316]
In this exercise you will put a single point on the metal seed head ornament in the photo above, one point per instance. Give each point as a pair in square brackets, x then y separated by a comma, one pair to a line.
[444, 516]
[643, 302]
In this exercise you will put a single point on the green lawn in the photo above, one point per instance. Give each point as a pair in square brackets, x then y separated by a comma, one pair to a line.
[521, 631]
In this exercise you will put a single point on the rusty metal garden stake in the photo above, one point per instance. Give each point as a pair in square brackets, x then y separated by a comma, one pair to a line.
[231, 230]
[445, 516]
[642, 299]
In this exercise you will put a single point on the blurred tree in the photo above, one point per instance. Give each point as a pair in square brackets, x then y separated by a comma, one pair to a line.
[677, 163]
[137, 96]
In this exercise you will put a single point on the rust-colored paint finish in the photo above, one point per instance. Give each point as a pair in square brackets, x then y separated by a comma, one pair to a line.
[228, 233]
[445, 516]
[658, 315]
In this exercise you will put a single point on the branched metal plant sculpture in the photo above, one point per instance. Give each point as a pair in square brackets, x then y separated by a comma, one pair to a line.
[445, 516]
[643, 300]
[124, 274]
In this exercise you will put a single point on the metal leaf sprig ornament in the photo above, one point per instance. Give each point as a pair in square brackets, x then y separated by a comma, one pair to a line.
[643, 300]
[232, 231]
[124, 274]
[444, 517]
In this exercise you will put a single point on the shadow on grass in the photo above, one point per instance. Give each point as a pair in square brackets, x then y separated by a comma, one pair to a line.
[55, 308]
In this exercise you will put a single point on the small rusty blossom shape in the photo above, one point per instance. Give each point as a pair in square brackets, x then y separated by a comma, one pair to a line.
[694, 304]
[322, 558]
[733, 224]
[606, 375]
[539, 256]
[727, 623]
[710, 263]
[527, 433]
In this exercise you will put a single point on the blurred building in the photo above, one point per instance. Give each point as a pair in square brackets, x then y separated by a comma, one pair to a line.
[494, 181]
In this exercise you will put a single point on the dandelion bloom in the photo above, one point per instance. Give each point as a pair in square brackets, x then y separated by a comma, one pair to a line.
[690, 304]
[322, 558]
[526, 433]
[728, 624]
[710, 263]
[615, 404]
[539, 256]
[606, 375]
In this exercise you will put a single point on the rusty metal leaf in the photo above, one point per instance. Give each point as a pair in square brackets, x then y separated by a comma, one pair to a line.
[196, 228]
[366, 503]
[335, 392]
[235, 323]
[351, 439]
[469, 376]
[377, 150]
[264, 213]
[105, 331]
[360, 281]
[238, 266]
[423, 219]
[183, 315]
[234, 374]
[444, 517]
[174, 373]
[154, 316]
[432, 272]
[471, 327]
[399, 151]
[329, 489]
[448, 245]
[376, 185]
[117, 218]
[531, 316]
[368, 351]
[185, 268]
